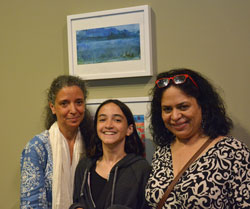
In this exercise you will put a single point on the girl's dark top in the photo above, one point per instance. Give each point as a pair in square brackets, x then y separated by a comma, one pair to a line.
[96, 183]
[125, 188]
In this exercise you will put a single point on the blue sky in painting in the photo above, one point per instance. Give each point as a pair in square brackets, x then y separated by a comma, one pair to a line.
[131, 28]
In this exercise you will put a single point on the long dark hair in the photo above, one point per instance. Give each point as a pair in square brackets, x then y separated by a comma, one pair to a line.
[86, 126]
[215, 121]
[133, 143]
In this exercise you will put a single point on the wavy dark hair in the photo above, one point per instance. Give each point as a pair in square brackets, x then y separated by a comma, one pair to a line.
[215, 121]
[86, 126]
[133, 143]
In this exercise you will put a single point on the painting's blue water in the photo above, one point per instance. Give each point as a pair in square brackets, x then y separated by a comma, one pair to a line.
[108, 44]
[108, 51]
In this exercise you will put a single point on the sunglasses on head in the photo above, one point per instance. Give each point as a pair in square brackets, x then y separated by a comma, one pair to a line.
[177, 79]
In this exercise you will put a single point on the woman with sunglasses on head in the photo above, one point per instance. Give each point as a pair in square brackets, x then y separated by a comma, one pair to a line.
[49, 160]
[115, 174]
[188, 121]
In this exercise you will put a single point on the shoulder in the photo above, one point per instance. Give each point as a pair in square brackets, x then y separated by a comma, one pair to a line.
[37, 155]
[161, 153]
[85, 163]
[141, 162]
[162, 149]
[39, 140]
[82, 168]
[234, 150]
[38, 145]
[232, 143]
[141, 166]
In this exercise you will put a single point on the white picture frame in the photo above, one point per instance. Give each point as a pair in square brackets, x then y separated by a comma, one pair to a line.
[119, 59]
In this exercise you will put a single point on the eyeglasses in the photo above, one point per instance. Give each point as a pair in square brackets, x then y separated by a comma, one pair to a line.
[177, 79]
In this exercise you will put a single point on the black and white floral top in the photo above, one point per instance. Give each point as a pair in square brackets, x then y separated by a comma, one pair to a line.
[218, 179]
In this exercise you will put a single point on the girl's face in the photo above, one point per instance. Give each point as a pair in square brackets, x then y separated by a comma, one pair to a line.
[112, 125]
[69, 108]
[181, 114]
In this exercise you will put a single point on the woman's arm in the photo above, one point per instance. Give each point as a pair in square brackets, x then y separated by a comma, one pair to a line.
[33, 163]
[241, 182]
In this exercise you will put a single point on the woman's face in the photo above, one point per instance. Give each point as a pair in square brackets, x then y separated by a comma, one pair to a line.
[69, 108]
[181, 113]
[112, 125]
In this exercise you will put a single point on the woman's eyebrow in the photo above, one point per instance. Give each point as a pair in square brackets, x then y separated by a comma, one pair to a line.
[118, 115]
[114, 115]
[101, 115]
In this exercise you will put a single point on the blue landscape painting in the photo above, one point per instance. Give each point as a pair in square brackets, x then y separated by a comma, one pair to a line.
[110, 44]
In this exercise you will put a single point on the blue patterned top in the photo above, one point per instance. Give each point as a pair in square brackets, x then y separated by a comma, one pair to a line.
[36, 173]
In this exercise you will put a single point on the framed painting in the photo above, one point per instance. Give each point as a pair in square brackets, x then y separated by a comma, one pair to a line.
[110, 44]
[140, 107]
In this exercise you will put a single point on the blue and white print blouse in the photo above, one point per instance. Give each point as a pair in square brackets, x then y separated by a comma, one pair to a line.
[36, 173]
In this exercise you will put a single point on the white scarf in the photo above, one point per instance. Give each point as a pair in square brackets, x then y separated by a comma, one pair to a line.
[63, 171]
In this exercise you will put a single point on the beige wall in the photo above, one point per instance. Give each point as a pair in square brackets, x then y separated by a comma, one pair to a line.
[210, 36]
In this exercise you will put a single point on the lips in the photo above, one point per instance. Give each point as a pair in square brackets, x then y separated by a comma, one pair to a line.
[109, 132]
[179, 126]
[74, 119]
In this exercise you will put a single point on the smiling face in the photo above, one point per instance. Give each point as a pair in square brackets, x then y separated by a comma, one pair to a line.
[69, 108]
[112, 126]
[181, 114]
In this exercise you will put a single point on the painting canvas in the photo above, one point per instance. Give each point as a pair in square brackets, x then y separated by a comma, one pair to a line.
[140, 127]
[110, 44]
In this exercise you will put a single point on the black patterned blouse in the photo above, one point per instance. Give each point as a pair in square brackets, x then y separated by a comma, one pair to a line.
[220, 178]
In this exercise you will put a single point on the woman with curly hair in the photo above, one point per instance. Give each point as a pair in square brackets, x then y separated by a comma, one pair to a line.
[186, 114]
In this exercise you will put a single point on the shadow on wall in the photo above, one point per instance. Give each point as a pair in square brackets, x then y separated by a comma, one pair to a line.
[240, 133]
[15, 183]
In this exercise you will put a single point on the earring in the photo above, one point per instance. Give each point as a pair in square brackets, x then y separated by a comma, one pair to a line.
[203, 124]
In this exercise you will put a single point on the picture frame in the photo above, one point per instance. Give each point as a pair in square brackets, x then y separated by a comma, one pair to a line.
[140, 107]
[110, 44]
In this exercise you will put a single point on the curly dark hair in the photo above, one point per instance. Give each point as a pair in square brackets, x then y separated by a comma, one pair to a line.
[86, 126]
[133, 143]
[215, 121]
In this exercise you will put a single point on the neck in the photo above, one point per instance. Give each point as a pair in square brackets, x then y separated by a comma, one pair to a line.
[108, 160]
[112, 156]
[195, 140]
[70, 135]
